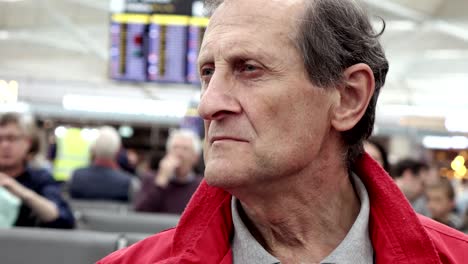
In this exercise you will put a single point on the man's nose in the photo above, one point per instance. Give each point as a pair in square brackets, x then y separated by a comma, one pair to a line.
[218, 99]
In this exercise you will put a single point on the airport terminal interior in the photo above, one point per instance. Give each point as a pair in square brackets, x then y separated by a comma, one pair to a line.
[93, 77]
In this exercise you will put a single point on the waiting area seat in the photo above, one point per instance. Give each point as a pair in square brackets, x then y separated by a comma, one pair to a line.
[108, 206]
[130, 222]
[49, 246]
[132, 238]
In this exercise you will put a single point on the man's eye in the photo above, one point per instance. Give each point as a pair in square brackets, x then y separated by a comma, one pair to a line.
[249, 70]
[207, 71]
[249, 67]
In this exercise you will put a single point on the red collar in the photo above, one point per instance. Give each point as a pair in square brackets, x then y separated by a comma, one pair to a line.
[396, 233]
[105, 163]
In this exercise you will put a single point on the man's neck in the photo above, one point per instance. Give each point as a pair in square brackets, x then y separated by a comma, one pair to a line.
[104, 162]
[299, 221]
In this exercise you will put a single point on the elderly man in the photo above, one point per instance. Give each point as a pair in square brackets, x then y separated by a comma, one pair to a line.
[103, 179]
[289, 90]
[170, 188]
[42, 203]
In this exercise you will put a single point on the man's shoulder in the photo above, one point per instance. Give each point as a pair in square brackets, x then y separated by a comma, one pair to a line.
[153, 249]
[40, 175]
[83, 171]
[99, 172]
[451, 244]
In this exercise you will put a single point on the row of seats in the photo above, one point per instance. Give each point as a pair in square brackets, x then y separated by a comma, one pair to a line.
[104, 221]
[102, 227]
[50, 246]
[108, 206]
[109, 216]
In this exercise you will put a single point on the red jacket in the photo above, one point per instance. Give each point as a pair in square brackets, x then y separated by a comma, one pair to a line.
[398, 235]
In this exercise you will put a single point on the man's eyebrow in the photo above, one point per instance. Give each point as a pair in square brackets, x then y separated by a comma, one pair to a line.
[238, 53]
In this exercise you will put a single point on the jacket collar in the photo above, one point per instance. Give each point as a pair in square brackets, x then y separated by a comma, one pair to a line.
[394, 227]
[205, 229]
[106, 163]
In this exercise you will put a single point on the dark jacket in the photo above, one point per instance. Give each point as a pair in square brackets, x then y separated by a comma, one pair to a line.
[100, 183]
[172, 199]
[41, 182]
[398, 234]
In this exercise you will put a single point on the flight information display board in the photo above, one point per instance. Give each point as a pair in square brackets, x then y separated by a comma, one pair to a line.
[197, 26]
[128, 46]
[167, 48]
[161, 47]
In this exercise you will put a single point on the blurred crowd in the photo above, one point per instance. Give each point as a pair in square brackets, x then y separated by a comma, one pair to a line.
[164, 181]
[30, 195]
[429, 193]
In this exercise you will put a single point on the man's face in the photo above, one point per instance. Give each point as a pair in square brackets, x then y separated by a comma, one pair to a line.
[413, 186]
[438, 203]
[264, 119]
[14, 146]
[182, 148]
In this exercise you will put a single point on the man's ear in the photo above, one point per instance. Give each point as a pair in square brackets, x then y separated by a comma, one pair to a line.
[354, 96]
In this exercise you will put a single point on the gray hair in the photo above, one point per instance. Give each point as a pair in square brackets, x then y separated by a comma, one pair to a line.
[25, 123]
[107, 143]
[334, 35]
[187, 133]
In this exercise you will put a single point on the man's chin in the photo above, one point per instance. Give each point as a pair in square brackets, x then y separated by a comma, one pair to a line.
[224, 180]
[4, 163]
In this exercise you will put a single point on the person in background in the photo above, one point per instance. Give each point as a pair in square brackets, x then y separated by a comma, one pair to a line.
[441, 202]
[103, 179]
[36, 159]
[127, 160]
[462, 198]
[377, 152]
[170, 188]
[288, 94]
[42, 202]
[409, 176]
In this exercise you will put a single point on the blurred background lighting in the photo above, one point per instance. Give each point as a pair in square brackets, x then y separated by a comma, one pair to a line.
[103, 104]
[440, 142]
[89, 134]
[456, 123]
[457, 163]
[126, 131]
[60, 131]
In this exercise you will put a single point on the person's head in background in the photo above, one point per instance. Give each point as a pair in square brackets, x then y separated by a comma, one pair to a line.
[185, 145]
[15, 143]
[107, 144]
[377, 152]
[441, 200]
[409, 175]
[432, 176]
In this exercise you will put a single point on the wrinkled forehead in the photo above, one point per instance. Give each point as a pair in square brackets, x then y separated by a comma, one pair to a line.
[11, 127]
[251, 14]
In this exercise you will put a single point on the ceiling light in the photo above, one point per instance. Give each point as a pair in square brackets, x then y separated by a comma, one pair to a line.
[60, 131]
[120, 105]
[438, 142]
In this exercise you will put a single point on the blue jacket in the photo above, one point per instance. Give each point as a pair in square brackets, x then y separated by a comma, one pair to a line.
[41, 182]
[100, 183]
